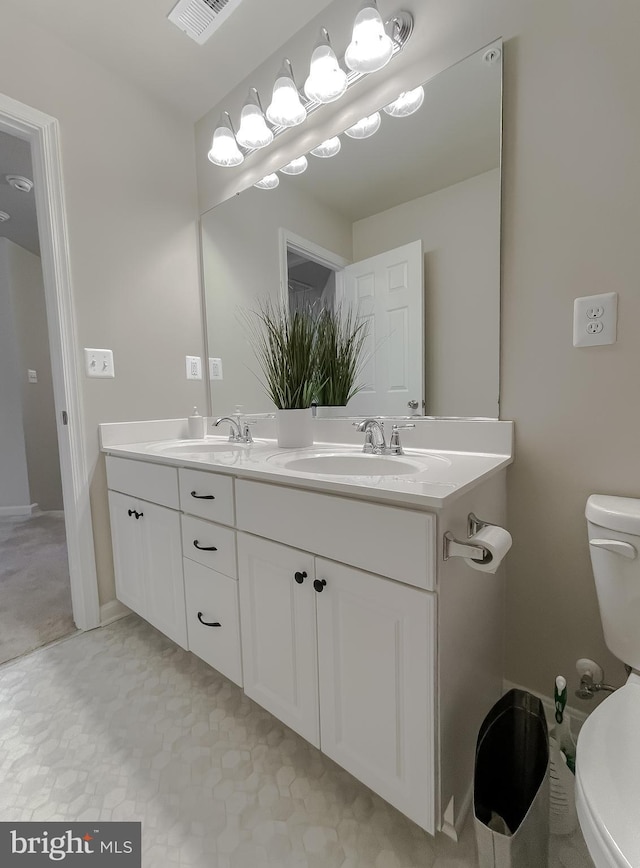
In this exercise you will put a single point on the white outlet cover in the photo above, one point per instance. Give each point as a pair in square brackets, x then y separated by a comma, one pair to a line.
[194, 367]
[32, 376]
[215, 369]
[99, 363]
[589, 313]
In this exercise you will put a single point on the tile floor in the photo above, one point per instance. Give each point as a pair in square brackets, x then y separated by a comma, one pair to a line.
[119, 723]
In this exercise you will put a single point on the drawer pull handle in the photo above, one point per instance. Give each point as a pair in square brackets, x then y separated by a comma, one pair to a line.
[319, 584]
[203, 496]
[136, 513]
[204, 548]
[300, 577]
[208, 623]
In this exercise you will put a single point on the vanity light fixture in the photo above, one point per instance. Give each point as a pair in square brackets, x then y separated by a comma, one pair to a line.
[19, 182]
[371, 47]
[269, 182]
[406, 104]
[328, 148]
[4, 217]
[224, 149]
[286, 109]
[253, 132]
[295, 167]
[327, 81]
[365, 127]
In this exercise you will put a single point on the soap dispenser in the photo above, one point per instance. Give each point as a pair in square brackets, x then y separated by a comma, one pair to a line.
[196, 425]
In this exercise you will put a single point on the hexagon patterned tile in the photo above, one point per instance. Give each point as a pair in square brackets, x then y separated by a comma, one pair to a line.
[121, 724]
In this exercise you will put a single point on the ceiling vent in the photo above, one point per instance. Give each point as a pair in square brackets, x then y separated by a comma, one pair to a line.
[199, 19]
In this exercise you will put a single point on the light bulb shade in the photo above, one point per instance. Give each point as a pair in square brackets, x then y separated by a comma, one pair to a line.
[365, 127]
[224, 149]
[371, 47]
[286, 109]
[327, 81]
[406, 104]
[253, 131]
[328, 148]
[295, 167]
[269, 182]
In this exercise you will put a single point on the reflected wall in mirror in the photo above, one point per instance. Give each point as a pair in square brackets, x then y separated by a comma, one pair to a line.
[431, 179]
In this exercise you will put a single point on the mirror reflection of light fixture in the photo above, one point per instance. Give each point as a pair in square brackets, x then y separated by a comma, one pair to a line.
[269, 182]
[371, 47]
[406, 104]
[328, 148]
[365, 127]
[327, 81]
[19, 182]
[224, 148]
[4, 217]
[295, 167]
[286, 109]
[253, 131]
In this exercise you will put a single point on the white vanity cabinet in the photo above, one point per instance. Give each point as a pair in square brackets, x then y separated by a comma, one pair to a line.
[147, 554]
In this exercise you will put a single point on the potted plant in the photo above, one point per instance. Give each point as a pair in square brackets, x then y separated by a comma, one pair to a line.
[285, 345]
[341, 335]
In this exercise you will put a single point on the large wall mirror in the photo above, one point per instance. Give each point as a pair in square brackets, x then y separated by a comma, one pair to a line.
[428, 182]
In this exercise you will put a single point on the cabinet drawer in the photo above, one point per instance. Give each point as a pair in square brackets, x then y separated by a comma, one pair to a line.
[209, 495]
[209, 544]
[213, 598]
[393, 542]
[154, 482]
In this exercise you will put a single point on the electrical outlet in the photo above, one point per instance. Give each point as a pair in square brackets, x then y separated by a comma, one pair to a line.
[99, 363]
[32, 376]
[215, 369]
[194, 368]
[595, 320]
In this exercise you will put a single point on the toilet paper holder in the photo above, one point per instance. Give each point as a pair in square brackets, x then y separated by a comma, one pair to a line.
[455, 548]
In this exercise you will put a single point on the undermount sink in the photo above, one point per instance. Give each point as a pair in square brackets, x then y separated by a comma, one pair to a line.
[350, 464]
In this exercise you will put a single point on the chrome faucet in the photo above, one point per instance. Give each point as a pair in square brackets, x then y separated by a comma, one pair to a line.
[238, 433]
[374, 440]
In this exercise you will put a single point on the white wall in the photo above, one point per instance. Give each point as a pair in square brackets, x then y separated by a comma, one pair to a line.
[38, 409]
[570, 212]
[15, 496]
[130, 191]
[241, 265]
[460, 232]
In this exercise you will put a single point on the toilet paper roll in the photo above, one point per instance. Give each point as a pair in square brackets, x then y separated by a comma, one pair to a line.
[496, 540]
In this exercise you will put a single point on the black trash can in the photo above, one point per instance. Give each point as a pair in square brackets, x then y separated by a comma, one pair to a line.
[511, 784]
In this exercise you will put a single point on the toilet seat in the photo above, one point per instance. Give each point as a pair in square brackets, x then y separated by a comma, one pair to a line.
[608, 779]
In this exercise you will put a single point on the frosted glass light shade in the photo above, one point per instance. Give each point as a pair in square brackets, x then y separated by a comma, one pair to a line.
[371, 47]
[295, 167]
[286, 109]
[269, 182]
[253, 131]
[406, 104]
[224, 149]
[328, 148]
[365, 127]
[327, 81]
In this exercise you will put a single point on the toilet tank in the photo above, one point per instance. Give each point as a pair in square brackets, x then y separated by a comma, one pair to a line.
[614, 544]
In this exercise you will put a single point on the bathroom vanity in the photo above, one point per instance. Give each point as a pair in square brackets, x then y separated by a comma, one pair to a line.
[326, 596]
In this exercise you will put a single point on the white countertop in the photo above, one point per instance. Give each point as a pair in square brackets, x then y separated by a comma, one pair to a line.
[442, 475]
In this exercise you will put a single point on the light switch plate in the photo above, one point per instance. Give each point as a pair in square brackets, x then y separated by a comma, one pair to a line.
[32, 376]
[194, 368]
[215, 369]
[99, 363]
[595, 320]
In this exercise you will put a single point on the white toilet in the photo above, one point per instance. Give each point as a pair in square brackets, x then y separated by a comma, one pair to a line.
[608, 755]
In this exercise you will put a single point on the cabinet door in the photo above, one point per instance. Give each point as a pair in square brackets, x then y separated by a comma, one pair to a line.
[161, 543]
[128, 558]
[278, 627]
[376, 674]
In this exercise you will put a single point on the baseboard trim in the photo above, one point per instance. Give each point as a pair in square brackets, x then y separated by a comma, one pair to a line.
[29, 509]
[576, 717]
[112, 611]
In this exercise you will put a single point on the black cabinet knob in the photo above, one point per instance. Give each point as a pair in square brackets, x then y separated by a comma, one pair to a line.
[139, 515]
[319, 584]
[300, 577]
[130, 512]
[135, 513]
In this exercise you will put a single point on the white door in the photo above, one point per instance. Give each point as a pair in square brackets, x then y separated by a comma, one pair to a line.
[388, 290]
[164, 582]
[278, 627]
[128, 558]
[376, 662]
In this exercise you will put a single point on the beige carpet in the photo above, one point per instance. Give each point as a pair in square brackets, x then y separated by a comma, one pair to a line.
[35, 598]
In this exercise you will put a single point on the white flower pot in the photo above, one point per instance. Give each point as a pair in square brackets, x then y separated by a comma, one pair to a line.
[324, 411]
[295, 428]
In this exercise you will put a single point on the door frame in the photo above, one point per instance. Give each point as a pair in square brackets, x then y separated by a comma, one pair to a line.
[289, 240]
[43, 134]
